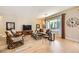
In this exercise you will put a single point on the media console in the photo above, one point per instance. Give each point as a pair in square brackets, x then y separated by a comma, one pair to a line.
[27, 32]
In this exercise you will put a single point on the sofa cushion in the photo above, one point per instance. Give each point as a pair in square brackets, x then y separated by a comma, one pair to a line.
[13, 32]
[15, 39]
[9, 33]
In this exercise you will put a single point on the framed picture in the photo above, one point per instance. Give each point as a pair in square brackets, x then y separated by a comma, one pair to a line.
[10, 25]
[37, 26]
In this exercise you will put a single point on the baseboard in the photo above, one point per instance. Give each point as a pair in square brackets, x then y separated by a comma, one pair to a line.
[68, 38]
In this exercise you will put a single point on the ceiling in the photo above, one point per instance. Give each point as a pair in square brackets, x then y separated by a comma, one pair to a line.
[31, 12]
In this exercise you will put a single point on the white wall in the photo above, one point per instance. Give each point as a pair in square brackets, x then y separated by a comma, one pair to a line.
[72, 33]
[1, 25]
[19, 21]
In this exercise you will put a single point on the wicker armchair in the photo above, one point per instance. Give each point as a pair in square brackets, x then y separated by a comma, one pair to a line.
[14, 41]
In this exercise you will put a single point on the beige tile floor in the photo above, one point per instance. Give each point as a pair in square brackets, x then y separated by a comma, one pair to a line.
[42, 46]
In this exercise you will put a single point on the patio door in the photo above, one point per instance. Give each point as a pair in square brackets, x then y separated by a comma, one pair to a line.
[57, 25]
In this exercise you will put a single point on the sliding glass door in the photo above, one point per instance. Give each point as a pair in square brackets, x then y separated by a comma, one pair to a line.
[54, 24]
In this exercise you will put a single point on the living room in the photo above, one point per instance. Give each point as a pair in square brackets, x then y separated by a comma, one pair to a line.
[21, 18]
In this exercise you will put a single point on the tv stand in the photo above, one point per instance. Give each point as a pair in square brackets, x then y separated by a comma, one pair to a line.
[27, 32]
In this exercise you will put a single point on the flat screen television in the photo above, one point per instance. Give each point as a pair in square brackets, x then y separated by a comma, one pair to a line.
[27, 27]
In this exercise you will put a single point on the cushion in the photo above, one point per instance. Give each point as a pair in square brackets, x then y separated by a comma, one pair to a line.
[13, 31]
[15, 39]
[10, 33]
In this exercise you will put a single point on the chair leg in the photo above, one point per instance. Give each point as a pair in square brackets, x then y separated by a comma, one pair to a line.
[50, 39]
[10, 47]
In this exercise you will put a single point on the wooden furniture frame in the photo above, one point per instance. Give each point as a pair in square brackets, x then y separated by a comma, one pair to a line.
[27, 32]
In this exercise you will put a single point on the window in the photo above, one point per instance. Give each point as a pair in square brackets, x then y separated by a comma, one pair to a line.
[54, 24]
